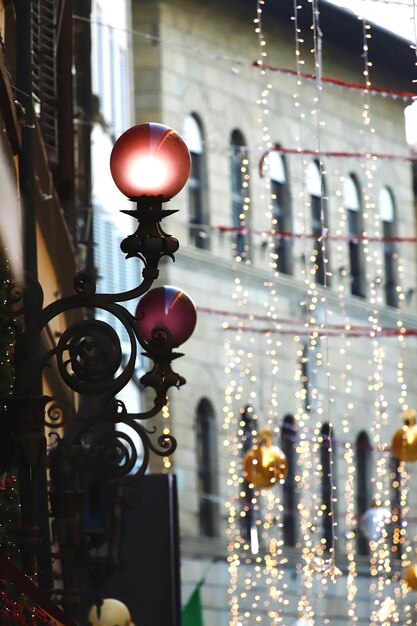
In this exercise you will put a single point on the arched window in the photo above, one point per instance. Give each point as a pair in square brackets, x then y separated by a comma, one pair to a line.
[363, 484]
[315, 189]
[207, 468]
[249, 529]
[281, 211]
[193, 137]
[387, 215]
[240, 192]
[327, 457]
[396, 539]
[288, 443]
[351, 202]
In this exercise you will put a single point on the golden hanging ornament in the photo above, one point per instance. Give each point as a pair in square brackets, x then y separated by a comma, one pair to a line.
[404, 441]
[112, 613]
[265, 465]
[410, 576]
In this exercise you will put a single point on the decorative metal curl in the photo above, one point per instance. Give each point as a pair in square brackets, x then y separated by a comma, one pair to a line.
[59, 414]
[55, 416]
[114, 455]
[84, 284]
[168, 445]
[94, 356]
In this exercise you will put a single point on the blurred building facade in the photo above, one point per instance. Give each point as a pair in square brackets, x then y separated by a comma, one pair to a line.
[44, 205]
[112, 88]
[193, 70]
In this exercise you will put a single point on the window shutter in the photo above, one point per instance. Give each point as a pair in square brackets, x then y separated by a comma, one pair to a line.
[44, 18]
[114, 272]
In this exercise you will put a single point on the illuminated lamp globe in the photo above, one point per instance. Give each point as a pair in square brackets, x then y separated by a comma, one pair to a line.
[150, 160]
[112, 613]
[373, 521]
[410, 576]
[165, 308]
[265, 465]
[404, 441]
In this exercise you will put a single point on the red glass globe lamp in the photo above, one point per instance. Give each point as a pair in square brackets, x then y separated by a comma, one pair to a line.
[150, 161]
[165, 316]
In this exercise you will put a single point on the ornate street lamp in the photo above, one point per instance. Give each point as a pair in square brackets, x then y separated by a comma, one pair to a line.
[150, 164]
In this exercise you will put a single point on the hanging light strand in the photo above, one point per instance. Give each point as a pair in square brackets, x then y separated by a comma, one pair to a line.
[273, 510]
[380, 554]
[242, 503]
[318, 40]
[346, 384]
[308, 504]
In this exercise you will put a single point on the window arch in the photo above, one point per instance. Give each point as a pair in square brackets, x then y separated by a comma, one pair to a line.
[288, 443]
[352, 204]
[193, 137]
[281, 210]
[327, 460]
[387, 215]
[240, 192]
[316, 191]
[207, 468]
[363, 484]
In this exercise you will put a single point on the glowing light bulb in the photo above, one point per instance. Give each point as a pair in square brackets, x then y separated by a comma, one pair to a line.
[148, 173]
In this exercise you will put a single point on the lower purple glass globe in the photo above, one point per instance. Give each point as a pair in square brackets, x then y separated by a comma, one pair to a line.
[166, 307]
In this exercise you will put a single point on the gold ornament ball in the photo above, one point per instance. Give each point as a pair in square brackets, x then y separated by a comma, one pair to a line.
[112, 613]
[265, 465]
[404, 441]
[410, 576]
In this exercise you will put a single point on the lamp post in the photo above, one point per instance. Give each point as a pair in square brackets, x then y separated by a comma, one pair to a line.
[150, 163]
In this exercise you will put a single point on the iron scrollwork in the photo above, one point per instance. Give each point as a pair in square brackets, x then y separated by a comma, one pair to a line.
[89, 354]
[90, 361]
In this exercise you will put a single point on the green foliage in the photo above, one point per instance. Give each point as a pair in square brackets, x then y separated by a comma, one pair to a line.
[16, 612]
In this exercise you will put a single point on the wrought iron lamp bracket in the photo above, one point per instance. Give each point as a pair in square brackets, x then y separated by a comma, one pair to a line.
[89, 353]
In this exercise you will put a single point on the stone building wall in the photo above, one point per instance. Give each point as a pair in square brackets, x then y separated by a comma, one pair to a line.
[198, 61]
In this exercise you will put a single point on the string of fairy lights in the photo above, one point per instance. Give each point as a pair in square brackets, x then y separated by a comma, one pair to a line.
[257, 588]
[253, 572]
[398, 480]
[238, 359]
[348, 410]
[306, 395]
[402, 542]
[274, 560]
[379, 562]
